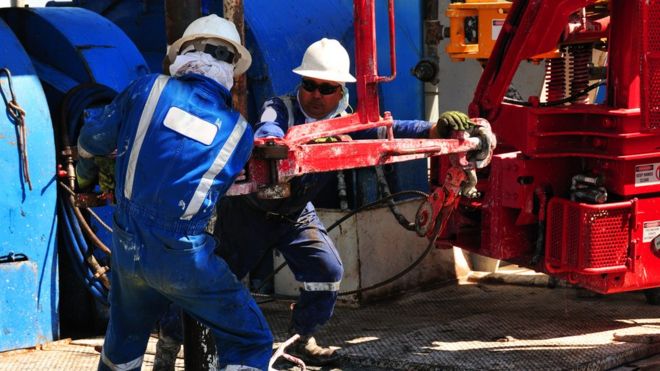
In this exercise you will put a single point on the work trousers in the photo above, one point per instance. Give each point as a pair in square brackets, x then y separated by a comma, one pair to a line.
[247, 233]
[152, 266]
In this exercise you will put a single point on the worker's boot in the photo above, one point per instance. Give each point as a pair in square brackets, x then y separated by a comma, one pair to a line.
[311, 353]
[167, 350]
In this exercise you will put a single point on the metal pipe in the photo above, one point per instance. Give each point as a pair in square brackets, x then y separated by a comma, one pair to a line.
[390, 13]
[233, 10]
[624, 55]
[178, 15]
[365, 60]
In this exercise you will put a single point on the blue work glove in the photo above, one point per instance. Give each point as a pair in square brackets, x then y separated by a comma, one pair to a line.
[451, 121]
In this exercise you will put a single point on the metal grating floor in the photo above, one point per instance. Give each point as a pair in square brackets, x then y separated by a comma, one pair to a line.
[489, 327]
[457, 327]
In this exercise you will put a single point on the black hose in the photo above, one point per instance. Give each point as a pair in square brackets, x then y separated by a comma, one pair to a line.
[75, 225]
[559, 102]
[385, 190]
[338, 222]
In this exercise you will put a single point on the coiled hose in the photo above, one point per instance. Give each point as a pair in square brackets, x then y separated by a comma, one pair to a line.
[75, 228]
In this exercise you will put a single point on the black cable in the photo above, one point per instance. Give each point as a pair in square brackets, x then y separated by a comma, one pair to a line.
[559, 102]
[341, 220]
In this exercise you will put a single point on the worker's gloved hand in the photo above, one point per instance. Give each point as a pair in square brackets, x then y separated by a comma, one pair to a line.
[326, 140]
[84, 183]
[451, 121]
[106, 166]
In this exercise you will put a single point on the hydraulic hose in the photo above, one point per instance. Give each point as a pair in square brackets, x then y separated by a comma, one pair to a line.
[77, 249]
[391, 279]
[75, 227]
[385, 190]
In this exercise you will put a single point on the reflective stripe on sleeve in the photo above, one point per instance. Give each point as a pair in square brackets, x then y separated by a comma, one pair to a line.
[218, 164]
[143, 126]
[239, 368]
[321, 286]
[132, 365]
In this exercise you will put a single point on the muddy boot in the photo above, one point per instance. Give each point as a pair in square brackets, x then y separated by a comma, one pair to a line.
[167, 350]
[313, 354]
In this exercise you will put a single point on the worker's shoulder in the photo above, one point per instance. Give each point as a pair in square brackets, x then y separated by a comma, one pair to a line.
[281, 100]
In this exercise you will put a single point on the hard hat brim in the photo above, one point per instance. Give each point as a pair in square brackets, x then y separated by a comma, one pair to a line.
[325, 75]
[244, 58]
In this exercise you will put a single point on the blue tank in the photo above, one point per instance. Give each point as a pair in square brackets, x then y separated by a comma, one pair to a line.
[28, 264]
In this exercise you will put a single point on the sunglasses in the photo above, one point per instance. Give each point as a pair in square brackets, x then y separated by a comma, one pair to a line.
[324, 88]
[219, 52]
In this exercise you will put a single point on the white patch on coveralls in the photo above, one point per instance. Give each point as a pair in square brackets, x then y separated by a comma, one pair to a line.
[239, 368]
[218, 164]
[204, 64]
[269, 114]
[136, 363]
[190, 125]
[145, 121]
[321, 286]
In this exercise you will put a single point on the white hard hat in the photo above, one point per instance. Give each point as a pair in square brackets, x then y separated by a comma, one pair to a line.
[326, 59]
[212, 27]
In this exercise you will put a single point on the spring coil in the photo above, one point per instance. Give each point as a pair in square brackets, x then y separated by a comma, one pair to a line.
[555, 78]
[579, 59]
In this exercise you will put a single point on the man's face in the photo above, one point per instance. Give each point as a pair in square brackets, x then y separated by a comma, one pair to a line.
[318, 97]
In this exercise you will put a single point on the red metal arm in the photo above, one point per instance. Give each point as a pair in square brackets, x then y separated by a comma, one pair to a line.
[532, 27]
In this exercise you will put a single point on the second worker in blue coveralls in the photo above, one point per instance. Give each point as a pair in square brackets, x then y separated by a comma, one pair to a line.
[291, 225]
[179, 146]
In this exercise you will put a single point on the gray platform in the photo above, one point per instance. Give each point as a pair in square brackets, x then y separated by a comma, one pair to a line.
[456, 327]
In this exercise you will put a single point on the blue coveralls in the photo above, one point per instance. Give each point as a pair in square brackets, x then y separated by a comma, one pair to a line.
[179, 147]
[291, 225]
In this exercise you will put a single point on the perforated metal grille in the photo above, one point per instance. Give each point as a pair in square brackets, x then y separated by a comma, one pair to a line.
[654, 26]
[556, 234]
[652, 90]
[605, 238]
[584, 237]
[573, 241]
[653, 100]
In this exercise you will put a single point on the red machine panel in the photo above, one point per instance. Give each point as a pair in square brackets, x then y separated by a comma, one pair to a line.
[589, 239]
[606, 248]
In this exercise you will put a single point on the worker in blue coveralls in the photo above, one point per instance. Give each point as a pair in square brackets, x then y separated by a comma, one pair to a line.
[291, 225]
[179, 146]
[248, 227]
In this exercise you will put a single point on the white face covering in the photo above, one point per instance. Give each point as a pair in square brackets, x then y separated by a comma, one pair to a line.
[203, 64]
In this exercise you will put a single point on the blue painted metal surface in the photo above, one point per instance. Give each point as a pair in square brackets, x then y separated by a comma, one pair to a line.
[82, 59]
[28, 294]
[82, 48]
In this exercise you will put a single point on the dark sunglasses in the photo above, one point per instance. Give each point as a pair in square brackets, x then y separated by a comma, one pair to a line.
[219, 52]
[324, 88]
